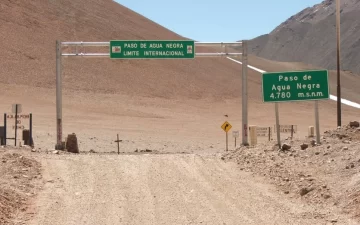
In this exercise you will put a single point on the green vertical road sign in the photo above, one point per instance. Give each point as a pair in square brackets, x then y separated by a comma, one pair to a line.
[295, 86]
[152, 49]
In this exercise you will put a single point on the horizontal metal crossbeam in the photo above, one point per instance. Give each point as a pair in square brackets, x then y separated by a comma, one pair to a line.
[105, 44]
[219, 54]
[217, 44]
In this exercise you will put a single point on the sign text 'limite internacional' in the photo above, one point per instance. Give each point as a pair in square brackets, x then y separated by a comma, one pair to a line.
[295, 86]
[152, 49]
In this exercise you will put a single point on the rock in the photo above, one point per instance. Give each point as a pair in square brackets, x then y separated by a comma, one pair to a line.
[327, 196]
[286, 147]
[324, 186]
[92, 151]
[148, 150]
[352, 165]
[313, 143]
[341, 136]
[317, 153]
[346, 141]
[33, 150]
[286, 192]
[56, 152]
[72, 143]
[304, 191]
[329, 146]
[354, 124]
[347, 167]
[304, 146]
[345, 148]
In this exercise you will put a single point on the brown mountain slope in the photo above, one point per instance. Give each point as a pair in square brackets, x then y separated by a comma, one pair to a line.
[29, 30]
[108, 94]
[310, 37]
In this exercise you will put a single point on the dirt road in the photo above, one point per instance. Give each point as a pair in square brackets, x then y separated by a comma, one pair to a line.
[159, 189]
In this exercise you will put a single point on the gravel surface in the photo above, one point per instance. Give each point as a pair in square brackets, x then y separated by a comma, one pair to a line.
[159, 189]
[325, 175]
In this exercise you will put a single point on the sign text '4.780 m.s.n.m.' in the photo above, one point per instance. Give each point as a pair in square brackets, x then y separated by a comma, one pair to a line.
[295, 86]
[138, 49]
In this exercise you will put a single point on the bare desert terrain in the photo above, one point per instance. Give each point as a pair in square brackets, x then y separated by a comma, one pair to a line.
[172, 167]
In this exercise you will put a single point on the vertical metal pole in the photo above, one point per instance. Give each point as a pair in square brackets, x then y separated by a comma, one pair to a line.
[58, 97]
[277, 124]
[226, 140]
[16, 112]
[244, 93]
[317, 123]
[292, 131]
[30, 130]
[269, 133]
[338, 63]
[5, 128]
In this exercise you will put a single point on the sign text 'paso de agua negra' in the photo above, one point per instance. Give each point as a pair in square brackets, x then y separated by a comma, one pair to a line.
[149, 49]
[295, 86]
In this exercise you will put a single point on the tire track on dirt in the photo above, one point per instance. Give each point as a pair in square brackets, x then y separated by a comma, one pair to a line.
[159, 189]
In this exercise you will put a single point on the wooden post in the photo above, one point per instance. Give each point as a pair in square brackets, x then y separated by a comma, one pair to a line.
[5, 128]
[16, 112]
[31, 131]
[118, 143]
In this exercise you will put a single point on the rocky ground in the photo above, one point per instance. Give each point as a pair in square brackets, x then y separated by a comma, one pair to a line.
[325, 174]
[20, 180]
[322, 177]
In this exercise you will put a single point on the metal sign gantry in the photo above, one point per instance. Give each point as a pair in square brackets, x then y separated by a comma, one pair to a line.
[82, 53]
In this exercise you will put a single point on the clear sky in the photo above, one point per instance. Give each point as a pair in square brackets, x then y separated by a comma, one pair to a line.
[213, 20]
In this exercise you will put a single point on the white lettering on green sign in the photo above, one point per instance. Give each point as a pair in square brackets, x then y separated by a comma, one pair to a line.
[152, 49]
[294, 86]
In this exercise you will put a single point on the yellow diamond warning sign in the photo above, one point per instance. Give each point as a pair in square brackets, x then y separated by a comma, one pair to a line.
[226, 126]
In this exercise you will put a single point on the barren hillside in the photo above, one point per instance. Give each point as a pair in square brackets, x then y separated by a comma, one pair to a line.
[29, 30]
[310, 37]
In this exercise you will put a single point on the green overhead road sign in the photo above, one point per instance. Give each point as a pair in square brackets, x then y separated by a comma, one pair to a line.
[151, 49]
[295, 86]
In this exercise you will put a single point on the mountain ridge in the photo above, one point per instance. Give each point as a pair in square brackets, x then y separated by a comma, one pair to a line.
[310, 37]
